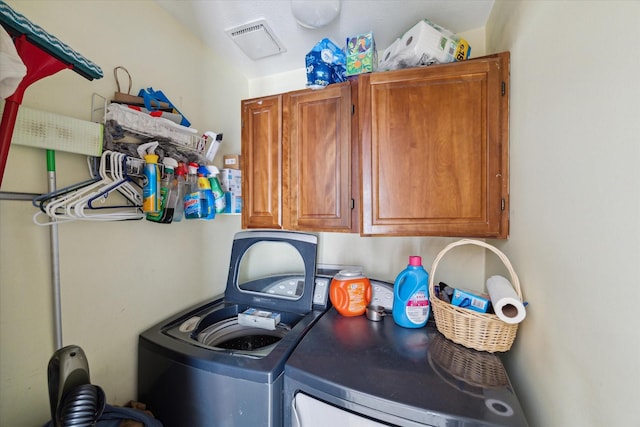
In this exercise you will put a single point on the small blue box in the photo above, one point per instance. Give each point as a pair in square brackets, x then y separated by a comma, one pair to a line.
[259, 318]
[471, 300]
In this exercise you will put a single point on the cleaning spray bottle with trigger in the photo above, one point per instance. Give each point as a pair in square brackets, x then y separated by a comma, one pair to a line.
[208, 208]
[150, 190]
[165, 191]
[192, 198]
[216, 189]
[181, 183]
[171, 196]
[411, 295]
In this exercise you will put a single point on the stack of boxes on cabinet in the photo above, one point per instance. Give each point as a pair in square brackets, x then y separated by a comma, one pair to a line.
[231, 183]
[426, 43]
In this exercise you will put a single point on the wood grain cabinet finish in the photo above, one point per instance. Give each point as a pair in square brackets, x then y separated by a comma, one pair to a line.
[299, 167]
[318, 173]
[434, 150]
[261, 162]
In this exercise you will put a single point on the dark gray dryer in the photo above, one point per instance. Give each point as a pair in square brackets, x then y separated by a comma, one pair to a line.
[202, 368]
[351, 371]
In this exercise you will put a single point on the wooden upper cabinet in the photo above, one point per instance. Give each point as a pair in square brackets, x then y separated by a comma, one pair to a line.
[319, 181]
[261, 162]
[435, 150]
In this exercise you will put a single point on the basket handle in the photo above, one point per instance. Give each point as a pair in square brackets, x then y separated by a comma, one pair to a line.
[514, 277]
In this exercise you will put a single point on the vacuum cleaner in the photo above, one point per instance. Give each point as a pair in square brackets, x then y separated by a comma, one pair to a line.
[73, 400]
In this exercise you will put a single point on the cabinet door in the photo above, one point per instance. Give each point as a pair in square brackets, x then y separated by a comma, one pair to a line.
[261, 162]
[435, 149]
[317, 160]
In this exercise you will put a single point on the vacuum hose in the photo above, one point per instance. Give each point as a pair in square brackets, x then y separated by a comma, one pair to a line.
[81, 406]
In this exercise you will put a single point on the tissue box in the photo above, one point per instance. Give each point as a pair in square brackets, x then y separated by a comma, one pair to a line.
[233, 202]
[471, 300]
[361, 54]
[259, 318]
[231, 180]
[425, 44]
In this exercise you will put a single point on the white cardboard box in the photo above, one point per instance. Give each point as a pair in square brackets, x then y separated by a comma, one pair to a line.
[231, 180]
[424, 44]
[259, 318]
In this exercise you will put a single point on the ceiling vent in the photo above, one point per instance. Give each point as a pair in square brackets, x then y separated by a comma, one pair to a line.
[256, 39]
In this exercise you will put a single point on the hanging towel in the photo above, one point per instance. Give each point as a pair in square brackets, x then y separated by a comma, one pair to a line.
[12, 69]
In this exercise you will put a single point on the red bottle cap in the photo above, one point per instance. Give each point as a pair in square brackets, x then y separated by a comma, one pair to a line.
[415, 261]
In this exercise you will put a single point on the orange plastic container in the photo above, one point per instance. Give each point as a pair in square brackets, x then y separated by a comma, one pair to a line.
[350, 292]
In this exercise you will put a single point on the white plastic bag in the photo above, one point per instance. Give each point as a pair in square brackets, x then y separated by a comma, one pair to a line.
[12, 69]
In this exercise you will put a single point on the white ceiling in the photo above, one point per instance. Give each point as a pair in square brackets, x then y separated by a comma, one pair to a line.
[387, 19]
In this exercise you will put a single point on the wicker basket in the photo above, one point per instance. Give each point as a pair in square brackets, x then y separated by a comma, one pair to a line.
[480, 331]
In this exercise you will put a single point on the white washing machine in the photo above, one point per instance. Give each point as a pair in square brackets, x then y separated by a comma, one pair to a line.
[349, 371]
[206, 367]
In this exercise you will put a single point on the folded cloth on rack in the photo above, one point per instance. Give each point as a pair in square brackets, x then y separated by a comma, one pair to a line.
[176, 118]
[12, 69]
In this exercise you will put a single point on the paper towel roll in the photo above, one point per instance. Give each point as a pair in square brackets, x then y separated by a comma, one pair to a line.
[506, 302]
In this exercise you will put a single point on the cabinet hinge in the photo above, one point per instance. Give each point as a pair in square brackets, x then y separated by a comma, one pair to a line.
[502, 204]
[353, 204]
[504, 88]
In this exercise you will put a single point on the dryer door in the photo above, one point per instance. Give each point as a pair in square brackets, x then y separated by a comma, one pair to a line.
[307, 411]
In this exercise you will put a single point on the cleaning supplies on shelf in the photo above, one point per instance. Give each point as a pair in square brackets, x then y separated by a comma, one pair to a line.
[170, 166]
[168, 193]
[212, 143]
[150, 189]
[180, 183]
[206, 195]
[411, 295]
[165, 187]
[192, 198]
[216, 189]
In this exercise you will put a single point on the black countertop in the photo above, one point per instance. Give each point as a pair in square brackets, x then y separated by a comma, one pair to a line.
[414, 374]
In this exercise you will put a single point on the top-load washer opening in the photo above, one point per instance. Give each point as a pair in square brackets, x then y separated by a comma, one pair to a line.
[240, 339]
[270, 288]
[218, 329]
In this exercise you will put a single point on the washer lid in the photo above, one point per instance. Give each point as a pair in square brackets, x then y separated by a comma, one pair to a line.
[273, 269]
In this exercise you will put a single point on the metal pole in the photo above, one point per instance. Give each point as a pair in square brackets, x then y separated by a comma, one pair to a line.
[55, 255]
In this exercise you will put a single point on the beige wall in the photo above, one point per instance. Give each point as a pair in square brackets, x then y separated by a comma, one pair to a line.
[575, 233]
[575, 206]
[117, 278]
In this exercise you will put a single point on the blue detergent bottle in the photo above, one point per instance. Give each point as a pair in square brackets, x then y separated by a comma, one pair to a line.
[411, 295]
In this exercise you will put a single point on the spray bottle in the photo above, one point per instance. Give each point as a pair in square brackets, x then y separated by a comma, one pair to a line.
[192, 198]
[150, 190]
[181, 183]
[171, 197]
[165, 190]
[208, 208]
[216, 189]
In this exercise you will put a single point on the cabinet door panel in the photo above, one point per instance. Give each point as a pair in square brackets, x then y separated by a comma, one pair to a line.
[317, 159]
[435, 150]
[261, 162]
